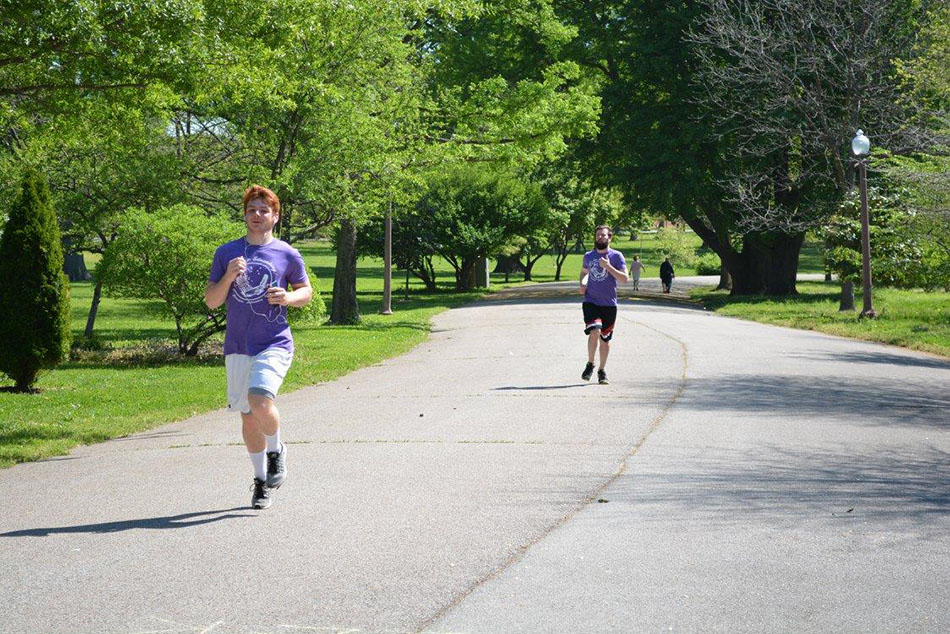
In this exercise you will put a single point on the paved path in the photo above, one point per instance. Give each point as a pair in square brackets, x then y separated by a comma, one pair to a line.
[732, 477]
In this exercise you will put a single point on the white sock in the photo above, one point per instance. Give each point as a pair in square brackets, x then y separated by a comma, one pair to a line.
[273, 442]
[259, 460]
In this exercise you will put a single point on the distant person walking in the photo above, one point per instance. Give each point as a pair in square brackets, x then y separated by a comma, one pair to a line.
[636, 268]
[666, 275]
[251, 274]
[603, 267]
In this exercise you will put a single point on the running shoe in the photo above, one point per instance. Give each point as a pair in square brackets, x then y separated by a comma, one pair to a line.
[276, 467]
[260, 498]
[588, 372]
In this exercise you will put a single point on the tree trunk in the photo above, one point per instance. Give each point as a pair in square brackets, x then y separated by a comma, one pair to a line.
[465, 276]
[182, 336]
[345, 309]
[781, 271]
[529, 266]
[426, 273]
[559, 260]
[285, 230]
[725, 280]
[93, 309]
[387, 308]
[74, 265]
[767, 265]
[847, 297]
[827, 270]
[508, 264]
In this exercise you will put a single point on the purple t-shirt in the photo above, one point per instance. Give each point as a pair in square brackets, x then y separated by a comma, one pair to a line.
[601, 285]
[254, 325]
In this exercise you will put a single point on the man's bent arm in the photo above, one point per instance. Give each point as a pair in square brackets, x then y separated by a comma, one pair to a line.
[620, 276]
[301, 295]
[217, 292]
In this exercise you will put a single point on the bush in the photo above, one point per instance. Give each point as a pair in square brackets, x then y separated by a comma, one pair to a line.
[708, 264]
[675, 243]
[166, 255]
[91, 343]
[312, 313]
[34, 292]
[897, 251]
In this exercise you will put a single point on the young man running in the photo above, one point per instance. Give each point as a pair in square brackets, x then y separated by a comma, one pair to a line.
[603, 267]
[251, 274]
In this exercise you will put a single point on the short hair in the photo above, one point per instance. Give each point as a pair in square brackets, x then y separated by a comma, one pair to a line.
[256, 191]
[610, 232]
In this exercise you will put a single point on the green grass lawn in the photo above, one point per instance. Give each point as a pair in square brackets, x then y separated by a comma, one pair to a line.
[123, 391]
[909, 318]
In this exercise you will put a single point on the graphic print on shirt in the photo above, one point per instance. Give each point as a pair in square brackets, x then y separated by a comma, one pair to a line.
[597, 272]
[251, 288]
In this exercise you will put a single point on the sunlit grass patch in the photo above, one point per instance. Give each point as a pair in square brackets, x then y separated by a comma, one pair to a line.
[909, 318]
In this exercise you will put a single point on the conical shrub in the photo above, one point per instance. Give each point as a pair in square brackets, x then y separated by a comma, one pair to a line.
[34, 292]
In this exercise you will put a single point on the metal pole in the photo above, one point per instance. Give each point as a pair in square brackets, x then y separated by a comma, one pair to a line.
[865, 244]
[387, 308]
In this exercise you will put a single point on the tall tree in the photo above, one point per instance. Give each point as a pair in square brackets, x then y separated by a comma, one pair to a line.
[735, 116]
[789, 83]
[324, 121]
[577, 205]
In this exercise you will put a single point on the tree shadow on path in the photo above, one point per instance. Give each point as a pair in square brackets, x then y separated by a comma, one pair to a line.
[864, 401]
[903, 489]
[885, 358]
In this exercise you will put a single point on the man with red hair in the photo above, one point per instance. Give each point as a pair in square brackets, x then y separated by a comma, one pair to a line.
[252, 274]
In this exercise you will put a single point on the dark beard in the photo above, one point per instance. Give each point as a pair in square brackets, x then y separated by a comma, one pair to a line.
[600, 246]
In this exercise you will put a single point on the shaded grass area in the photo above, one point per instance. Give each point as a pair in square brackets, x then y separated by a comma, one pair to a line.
[812, 257]
[908, 318]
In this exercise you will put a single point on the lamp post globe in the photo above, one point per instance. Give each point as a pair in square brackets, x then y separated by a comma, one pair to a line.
[860, 144]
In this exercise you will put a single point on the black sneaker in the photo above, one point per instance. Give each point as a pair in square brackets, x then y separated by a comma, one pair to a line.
[260, 498]
[588, 372]
[602, 377]
[276, 467]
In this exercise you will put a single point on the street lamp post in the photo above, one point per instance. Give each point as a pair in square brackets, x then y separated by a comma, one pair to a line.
[387, 307]
[860, 147]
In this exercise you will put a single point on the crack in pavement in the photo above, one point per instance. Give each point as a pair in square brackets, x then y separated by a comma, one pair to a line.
[590, 499]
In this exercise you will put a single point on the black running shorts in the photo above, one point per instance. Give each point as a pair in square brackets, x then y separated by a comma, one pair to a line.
[600, 317]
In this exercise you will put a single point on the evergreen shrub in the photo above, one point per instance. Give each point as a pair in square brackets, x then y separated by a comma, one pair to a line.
[34, 291]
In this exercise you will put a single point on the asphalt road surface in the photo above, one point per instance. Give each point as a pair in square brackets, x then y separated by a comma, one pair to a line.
[732, 477]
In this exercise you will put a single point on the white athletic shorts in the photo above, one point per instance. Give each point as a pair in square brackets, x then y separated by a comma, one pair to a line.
[261, 374]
